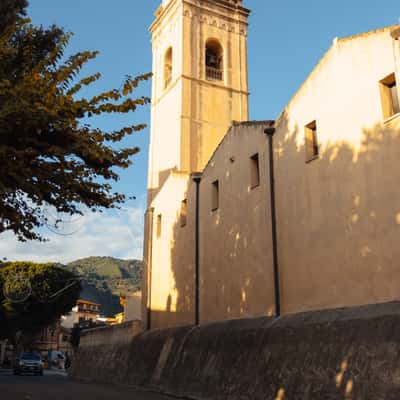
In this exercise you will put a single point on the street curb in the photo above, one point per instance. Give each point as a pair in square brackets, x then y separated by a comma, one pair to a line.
[139, 388]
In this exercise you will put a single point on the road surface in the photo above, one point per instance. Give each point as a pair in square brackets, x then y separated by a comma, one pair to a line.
[54, 386]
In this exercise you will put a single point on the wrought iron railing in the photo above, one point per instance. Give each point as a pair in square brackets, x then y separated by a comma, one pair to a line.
[214, 74]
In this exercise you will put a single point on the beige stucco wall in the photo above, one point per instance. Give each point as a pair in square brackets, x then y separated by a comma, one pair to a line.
[235, 264]
[236, 273]
[338, 216]
[172, 263]
[165, 138]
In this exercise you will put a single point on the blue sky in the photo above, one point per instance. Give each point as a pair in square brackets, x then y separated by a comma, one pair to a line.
[286, 39]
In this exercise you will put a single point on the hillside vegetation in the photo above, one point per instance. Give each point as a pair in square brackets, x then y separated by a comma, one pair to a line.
[106, 278]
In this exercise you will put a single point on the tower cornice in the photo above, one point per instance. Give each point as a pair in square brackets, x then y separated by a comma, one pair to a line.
[224, 5]
[220, 7]
[233, 6]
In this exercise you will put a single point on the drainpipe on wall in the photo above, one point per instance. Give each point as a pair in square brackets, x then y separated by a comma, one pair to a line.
[196, 180]
[150, 215]
[270, 133]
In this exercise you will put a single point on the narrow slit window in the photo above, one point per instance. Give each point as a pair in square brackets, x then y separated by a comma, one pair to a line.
[389, 96]
[159, 225]
[168, 68]
[311, 141]
[183, 213]
[254, 171]
[214, 196]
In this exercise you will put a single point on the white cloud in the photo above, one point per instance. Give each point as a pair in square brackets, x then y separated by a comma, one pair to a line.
[116, 233]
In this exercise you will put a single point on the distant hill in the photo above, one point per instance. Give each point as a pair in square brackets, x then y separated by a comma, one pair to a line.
[106, 278]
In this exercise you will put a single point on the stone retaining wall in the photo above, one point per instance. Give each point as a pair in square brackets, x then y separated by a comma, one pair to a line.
[110, 335]
[339, 354]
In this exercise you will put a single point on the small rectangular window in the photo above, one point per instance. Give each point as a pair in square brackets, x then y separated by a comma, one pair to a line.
[389, 96]
[183, 213]
[254, 171]
[159, 225]
[214, 195]
[311, 141]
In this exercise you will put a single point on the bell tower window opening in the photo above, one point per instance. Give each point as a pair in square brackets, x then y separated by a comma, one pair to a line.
[214, 61]
[168, 68]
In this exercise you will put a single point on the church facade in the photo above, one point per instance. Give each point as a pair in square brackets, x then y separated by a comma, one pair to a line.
[259, 218]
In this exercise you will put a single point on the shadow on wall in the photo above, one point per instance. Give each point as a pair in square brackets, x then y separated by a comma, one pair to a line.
[235, 279]
[162, 178]
[338, 220]
[180, 304]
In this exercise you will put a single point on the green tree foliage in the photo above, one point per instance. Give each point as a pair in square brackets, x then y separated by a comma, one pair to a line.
[10, 10]
[49, 154]
[105, 279]
[33, 296]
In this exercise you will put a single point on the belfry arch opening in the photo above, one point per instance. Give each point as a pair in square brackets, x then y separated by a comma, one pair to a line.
[168, 67]
[214, 60]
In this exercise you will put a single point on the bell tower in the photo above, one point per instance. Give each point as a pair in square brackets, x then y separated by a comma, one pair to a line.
[199, 88]
[199, 83]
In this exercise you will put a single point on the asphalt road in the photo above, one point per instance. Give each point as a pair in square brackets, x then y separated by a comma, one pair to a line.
[54, 386]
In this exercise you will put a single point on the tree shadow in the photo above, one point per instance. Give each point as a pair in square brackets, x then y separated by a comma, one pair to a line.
[338, 220]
